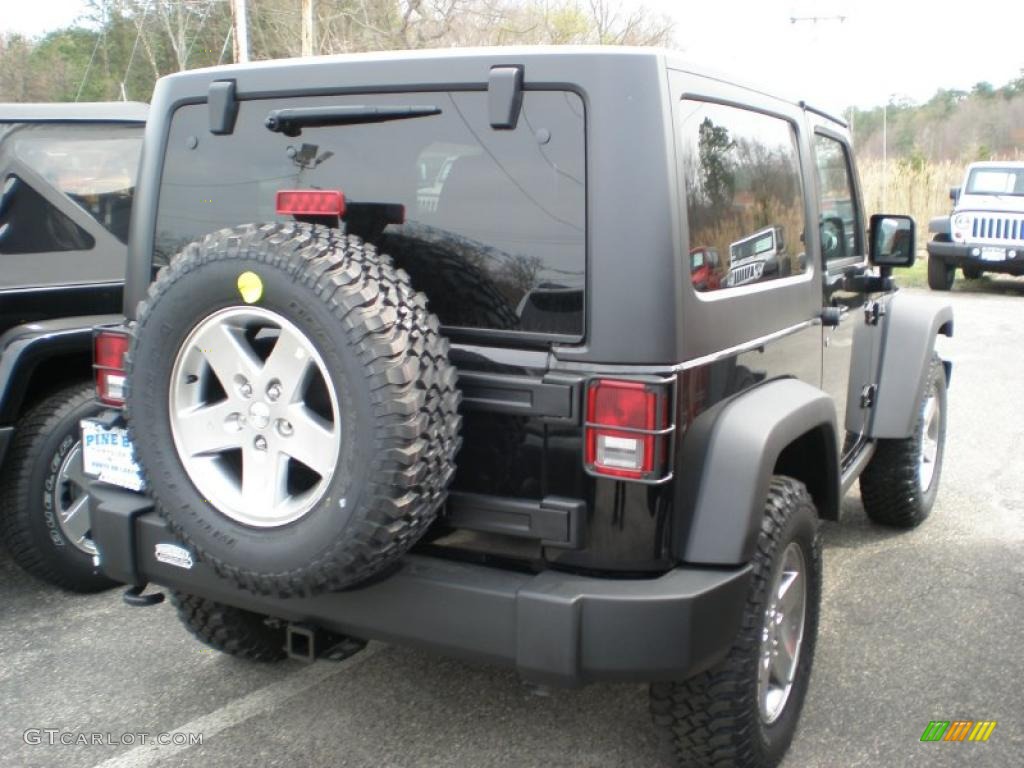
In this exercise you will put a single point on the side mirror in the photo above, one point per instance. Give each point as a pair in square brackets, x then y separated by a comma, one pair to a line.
[954, 194]
[892, 241]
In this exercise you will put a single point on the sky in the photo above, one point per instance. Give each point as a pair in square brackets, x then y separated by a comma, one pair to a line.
[882, 50]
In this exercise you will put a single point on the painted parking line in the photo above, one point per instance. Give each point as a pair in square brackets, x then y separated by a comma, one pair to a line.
[240, 710]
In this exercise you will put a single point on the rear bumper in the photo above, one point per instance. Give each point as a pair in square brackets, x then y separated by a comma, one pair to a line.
[552, 627]
[960, 254]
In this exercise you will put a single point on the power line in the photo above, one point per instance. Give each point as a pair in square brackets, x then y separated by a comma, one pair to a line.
[92, 58]
[135, 46]
[816, 19]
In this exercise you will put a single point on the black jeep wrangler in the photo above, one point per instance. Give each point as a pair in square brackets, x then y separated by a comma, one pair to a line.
[67, 173]
[413, 352]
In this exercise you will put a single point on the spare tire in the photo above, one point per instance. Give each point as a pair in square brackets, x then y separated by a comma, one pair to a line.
[292, 406]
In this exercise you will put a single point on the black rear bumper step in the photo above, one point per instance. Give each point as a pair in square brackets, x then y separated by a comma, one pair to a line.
[553, 627]
[553, 521]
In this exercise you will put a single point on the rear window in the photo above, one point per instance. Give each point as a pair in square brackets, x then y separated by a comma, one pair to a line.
[490, 224]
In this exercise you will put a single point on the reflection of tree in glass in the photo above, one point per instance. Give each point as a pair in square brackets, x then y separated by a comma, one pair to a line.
[518, 275]
[772, 180]
[717, 178]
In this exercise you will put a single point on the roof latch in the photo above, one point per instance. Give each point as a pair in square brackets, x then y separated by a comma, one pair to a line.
[505, 96]
[223, 107]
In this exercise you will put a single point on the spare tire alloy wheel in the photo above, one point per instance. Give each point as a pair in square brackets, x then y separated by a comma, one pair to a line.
[292, 407]
[280, 415]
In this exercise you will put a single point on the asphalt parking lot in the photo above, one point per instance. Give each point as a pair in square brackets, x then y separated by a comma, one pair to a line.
[916, 626]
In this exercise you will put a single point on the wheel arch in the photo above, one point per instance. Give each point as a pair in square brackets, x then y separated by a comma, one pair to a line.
[37, 358]
[912, 324]
[731, 452]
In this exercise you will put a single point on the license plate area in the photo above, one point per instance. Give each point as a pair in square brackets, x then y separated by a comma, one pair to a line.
[108, 455]
[993, 254]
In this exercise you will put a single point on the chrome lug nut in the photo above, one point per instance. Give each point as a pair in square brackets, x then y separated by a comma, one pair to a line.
[285, 428]
[273, 391]
[244, 388]
[260, 443]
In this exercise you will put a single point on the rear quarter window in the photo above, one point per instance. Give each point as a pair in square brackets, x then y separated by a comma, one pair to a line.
[491, 224]
[744, 194]
[93, 165]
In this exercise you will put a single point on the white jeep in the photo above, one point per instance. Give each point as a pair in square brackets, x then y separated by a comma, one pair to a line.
[985, 232]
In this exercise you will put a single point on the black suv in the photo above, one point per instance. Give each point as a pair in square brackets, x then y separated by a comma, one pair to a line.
[67, 173]
[414, 352]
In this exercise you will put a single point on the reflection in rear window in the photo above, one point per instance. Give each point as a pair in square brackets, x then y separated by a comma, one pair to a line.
[489, 224]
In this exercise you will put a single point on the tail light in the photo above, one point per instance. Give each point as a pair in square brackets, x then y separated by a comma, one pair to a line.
[628, 429]
[109, 348]
[310, 202]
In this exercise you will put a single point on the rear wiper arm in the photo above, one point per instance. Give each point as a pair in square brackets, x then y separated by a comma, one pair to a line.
[290, 122]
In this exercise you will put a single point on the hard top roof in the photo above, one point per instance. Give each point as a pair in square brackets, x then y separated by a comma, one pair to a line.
[65, 112]
[600, 54]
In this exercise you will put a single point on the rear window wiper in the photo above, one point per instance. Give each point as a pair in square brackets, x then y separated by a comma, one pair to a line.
[290, 122]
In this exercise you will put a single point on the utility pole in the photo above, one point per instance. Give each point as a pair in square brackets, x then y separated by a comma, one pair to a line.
[308, 33]
[885, 155]
[240, 26]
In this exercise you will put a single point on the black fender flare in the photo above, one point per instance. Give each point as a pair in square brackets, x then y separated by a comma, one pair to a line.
[730, 453]
[24, 347]
[911, 324]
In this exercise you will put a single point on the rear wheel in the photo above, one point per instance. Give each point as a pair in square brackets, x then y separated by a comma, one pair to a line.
[44, 507]
[744, 711]
[900, 484]
[294, 407]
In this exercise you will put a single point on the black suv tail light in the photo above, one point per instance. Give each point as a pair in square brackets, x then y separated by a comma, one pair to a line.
[628, 429]
[109, 348]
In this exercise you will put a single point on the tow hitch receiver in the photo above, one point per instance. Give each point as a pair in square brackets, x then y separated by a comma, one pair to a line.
[307, 643]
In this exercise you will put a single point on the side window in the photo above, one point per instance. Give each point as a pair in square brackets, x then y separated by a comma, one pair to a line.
[744, 196]
[29, 223]
[94, 165]
[841, 225]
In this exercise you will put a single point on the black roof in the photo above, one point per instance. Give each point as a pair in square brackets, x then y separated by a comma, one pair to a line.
[89, 111]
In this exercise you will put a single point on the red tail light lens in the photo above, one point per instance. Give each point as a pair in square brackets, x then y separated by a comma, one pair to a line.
[310, 202]
[109, 348]
[627, 429]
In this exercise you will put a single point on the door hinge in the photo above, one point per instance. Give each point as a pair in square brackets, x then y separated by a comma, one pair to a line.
[867, 396]
[873, 312]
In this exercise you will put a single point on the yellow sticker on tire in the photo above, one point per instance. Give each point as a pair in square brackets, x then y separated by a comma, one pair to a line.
[250, 286]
